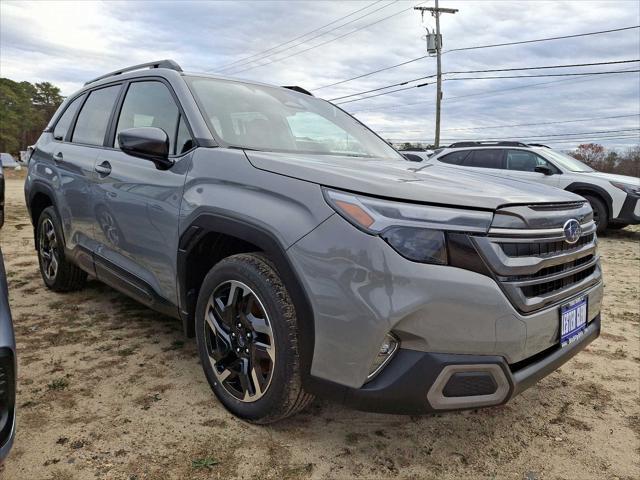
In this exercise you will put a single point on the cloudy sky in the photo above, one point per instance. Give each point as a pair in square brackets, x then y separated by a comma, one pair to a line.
[314, 44]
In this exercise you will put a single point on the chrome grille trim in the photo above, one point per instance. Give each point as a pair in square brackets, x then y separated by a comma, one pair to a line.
[522, 278]
[557, 233]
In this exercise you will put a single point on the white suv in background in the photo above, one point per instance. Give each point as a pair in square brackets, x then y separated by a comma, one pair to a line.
[615, 199]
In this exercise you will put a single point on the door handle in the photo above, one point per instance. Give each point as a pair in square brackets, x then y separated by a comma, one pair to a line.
[58, 157]
[104, 168]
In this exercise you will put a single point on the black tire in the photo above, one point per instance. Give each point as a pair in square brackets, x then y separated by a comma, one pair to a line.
[600, 212]
[67, 277]
[284, 395]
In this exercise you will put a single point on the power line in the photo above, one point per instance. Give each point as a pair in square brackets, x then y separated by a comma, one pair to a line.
[542, 39]
[484, 93]
[544, 123]
[471, 48]
[563, 135]
[370, 73]
[327, 41]
[253, 58]
[520, 124]
[487, 71]
[493, 78]
[540, 76]
[384, 93]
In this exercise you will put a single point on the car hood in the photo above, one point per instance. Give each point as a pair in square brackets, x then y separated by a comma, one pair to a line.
[397, 179]
[611, 177]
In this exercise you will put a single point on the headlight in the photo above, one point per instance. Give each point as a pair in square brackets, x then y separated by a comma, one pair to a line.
[627, 187]
[415, 231]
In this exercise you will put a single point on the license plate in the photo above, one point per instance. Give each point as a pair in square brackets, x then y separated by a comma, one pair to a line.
[573, 320]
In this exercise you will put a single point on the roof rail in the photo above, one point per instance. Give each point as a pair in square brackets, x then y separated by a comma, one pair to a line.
[295, 88]
[170, 64]
[487, 144]
[538, 145]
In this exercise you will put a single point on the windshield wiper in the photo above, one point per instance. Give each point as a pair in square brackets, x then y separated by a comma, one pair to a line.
[237, 147]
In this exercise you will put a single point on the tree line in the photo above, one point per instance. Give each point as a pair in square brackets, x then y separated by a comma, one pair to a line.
[25, 110]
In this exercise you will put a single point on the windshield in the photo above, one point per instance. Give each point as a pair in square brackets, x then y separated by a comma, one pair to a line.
[566, 161]
[268, 118]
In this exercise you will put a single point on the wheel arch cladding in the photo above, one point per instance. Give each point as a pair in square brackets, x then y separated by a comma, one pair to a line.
[212, 237]
[582, 189]
[40, 197]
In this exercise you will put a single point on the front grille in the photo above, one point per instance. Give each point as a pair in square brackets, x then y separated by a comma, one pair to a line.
[537, 269]
[556, 285]
[544, 248]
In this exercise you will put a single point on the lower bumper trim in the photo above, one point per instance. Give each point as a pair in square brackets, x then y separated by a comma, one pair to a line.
[414, 381]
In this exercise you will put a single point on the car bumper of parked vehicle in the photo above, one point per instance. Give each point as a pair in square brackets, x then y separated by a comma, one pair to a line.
[7, 400]
[421, 382]
[630, 211]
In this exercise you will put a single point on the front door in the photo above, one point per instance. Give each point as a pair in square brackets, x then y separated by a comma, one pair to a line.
[137, 205]
[521, 164]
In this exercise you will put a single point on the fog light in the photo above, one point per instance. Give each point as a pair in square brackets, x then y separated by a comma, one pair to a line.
[387, 350]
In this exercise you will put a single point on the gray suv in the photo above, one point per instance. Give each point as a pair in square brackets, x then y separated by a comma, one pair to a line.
[305, 254]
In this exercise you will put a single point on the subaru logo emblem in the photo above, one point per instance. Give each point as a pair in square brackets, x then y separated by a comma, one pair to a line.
[572, 230]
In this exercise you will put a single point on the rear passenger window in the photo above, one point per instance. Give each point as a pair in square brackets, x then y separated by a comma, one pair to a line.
[93, 120]
[150, 104]
[485, 159]
[454, 158]
[63, 124]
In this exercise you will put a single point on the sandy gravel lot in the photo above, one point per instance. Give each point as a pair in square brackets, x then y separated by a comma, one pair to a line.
[109, 389]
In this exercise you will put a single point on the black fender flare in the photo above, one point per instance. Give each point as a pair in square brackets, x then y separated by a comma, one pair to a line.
[40, 187]
[248, 231]
[594, 189]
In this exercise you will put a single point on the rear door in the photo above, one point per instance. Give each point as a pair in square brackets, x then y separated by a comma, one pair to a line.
[137, 205]
[521, 164]
[486, 160]
[78, 136]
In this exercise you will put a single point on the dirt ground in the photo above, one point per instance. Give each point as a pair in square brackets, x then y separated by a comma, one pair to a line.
[109, 389]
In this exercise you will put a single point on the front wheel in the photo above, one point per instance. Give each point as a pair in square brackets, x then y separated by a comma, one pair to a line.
[247, 336]
[600, 212]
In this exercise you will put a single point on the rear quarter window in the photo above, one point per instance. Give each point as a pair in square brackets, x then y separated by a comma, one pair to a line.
[63, 124]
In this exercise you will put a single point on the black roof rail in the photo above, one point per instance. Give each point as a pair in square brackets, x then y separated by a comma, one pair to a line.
[295, 88]
[487, 144]
[539, 145]
[170, 64]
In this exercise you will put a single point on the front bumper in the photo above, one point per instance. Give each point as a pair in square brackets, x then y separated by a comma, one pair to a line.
[420, 382]
[361, 289]
[630, 211]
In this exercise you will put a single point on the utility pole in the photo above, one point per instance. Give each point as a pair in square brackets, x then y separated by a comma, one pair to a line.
[437, 43]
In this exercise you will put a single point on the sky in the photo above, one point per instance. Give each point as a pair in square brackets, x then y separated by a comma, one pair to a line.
[314, 44]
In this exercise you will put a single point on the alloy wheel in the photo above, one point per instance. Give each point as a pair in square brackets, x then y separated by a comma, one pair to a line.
[240, 341]
[48, 247]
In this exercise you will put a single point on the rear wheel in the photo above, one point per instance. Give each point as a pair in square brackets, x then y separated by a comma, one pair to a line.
[57, 272]
[600, 212]
[247, 337]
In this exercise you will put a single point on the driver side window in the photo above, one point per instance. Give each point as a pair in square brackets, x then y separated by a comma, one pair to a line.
[525, 161]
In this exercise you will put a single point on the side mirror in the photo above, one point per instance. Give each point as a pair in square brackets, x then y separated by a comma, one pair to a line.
[150, 143]
[544, 169]
[412, 157]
